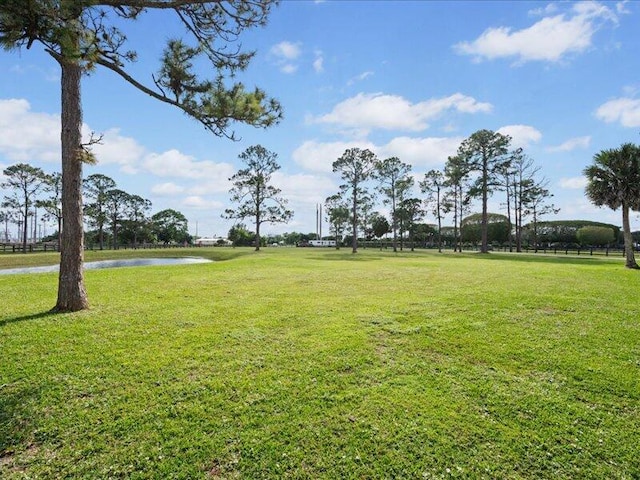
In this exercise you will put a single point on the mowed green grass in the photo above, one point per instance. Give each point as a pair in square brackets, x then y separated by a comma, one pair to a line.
[318, 364]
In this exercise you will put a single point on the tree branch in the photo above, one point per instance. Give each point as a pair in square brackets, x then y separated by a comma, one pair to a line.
[166, 4]
[212, 126]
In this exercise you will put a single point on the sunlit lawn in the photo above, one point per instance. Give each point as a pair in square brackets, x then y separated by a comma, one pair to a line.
[314, 363]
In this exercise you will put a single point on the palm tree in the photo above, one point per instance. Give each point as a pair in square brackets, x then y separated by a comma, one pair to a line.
[614, 181]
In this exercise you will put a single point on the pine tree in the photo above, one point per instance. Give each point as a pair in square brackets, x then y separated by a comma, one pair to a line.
[82, 35]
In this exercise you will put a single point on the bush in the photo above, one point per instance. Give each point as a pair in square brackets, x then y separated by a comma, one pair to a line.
[596, 236]
[497, 228]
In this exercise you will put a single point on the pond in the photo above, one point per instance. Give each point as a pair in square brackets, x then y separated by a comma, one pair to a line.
[130, 262]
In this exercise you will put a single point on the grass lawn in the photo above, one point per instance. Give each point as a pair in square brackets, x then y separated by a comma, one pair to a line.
[318, 364]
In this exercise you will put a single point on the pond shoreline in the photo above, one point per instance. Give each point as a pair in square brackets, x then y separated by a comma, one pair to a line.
[102, 264]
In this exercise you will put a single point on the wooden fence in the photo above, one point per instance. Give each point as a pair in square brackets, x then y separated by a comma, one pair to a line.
[31, 247]
[53, 247]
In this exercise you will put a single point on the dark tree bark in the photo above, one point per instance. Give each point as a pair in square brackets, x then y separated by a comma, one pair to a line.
[484, 247]
[257, 249]
[630, 259]
[72, 295]
[354, 221]
[25, 227]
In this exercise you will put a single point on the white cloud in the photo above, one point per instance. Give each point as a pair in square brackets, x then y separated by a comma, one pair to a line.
[623, 110]
[167, 189]
[521, 135]
[118, 149]
[304, 188]
[289, 68]
[621, 7]
[546, 10]
[211, 177]
[318, 63]
[219, 183]
[2, 168]
[30, 136]
[286, 50]
[631, 90]
[359, 78]
[319, 157]
[176, 164]
[198, 203]
[551, 39]
[26, 135]
[582, 207]
[572, 144]
[419, 152]
[172, 163]
[285, 54]
[573, 183]
[393, 112]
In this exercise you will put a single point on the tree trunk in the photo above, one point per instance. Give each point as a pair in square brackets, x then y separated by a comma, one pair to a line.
[518, 215]
[35, 225]
[257, 233]
[628, 239]
[535, 231]
[484, 248]
[25, 227]
[72, 295]
[354, 229]
[509, 215]
[439, 234]
[439, 223]
[59, 232]
[457, 220]
[393, 222]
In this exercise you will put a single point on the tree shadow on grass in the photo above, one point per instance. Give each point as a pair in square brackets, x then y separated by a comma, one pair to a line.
[543, 258]
[17, 415]
[24, 318]
[348, 256]
[16, 418]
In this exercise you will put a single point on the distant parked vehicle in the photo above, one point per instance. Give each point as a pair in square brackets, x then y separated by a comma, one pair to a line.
[322, 243]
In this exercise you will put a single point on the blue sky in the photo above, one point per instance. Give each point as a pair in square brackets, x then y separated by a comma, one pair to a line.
[405, 79]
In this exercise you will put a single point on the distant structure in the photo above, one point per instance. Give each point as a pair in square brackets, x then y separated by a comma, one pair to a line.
[321, 243]
[212, 241]
[319, 221]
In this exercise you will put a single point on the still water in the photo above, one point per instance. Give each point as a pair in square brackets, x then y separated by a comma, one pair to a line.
[131, 262]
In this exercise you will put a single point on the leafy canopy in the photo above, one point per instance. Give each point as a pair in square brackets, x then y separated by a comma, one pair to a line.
[252, 190]
[90, 33]
[614, 177]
